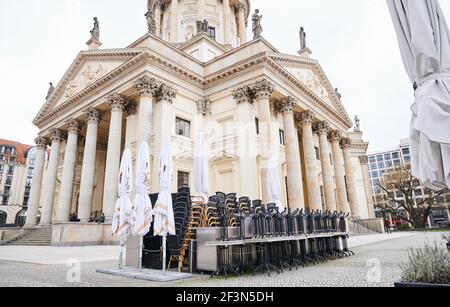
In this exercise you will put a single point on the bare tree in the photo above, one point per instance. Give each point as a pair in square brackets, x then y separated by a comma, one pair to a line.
[401, 180]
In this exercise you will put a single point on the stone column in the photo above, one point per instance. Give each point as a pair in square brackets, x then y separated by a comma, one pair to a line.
[68, 175]
[158, 17]
[147, 89]
[48, 199]
[263, 90]
[293, 163]
[173, 21]
[117, 105]
[346, 144]
[327, 169]
[35, 193]
[312, 179]
[226, 22]
[248, 151]
[364, 160]
[242, 24]
[93, 118]
[339, 174]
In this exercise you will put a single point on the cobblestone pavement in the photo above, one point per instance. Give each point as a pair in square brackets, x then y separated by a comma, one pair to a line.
[351, 272]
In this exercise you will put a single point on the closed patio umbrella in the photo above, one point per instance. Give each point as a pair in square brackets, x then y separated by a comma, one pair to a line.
[143, 211]
[424, 40]
[201, 167]
[164, 222]
[273, 181]
[121, 219]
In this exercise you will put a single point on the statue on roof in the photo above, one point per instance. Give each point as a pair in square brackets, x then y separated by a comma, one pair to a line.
[337, 93]
[357, 124]
[302, 38]
[257, 27]
[95, 32]
[50, 91]
[151, 20]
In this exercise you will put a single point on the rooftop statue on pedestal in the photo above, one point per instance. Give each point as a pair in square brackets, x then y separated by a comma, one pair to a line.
[337, 93]
[257, 27]
[95, 32]
[50, 90]
[357, 124]
[302, 39]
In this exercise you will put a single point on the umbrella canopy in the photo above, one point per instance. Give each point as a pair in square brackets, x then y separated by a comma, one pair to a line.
[164, 222]
[201, 167]
[121, 219]
[424, 40]
[142, 215]
[273, 181]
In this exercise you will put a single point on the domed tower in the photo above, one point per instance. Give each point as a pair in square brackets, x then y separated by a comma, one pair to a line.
[178, 21]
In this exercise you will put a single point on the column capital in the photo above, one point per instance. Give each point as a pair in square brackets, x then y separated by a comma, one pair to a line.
[335, 136]
[346, 143]
[73, 126]
[364, 160]
[243, 95]
[166, 93]
[286, 105]
[93, 116]
[56, 136]
[116, 103]
[263, 89]
[306, 118]
[41, 143]
[147, 86]
[322, 128]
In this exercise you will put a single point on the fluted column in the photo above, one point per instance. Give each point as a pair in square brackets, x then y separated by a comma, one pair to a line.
[173, 21]
[292, 148]
[68, 175]
[48, 199]
[227, 22]
[346, 144]
[339, 174]
[242, 24]
[327, 169]
[147, 89]
[263, 90]
[35, 193]
[312, 180]
[158, 17]
[364, 160]
[93, 119]
[117, 105]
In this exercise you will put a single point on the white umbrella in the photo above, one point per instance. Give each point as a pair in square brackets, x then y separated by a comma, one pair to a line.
[201, 167]
[121, 219]
[164, 222]
[142, 216]
[424, 40]
[273, 181]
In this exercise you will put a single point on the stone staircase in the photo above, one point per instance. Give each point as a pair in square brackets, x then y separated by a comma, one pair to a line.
[35, 237]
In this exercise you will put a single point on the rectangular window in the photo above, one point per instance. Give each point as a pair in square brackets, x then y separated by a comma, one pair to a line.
[372, 159]
[10, 170]
[317, 153]
[257, 125]
[212, 32]
[373, 166]
[374, 174]
[405, 151]
[1, 168]
[9, 180]
[380, 158]
[381, 165]
[183, 179]
[389, 164]
[407, 159]
[397, 163]
[395, 155]
[12, 159]
[387, 156]
[282, 138]
[183, 127]
[2, 158]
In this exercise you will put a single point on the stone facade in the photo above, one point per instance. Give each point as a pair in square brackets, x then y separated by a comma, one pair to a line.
[251, 101]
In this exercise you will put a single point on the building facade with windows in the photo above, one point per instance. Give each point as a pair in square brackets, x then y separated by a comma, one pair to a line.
[16, 172]
[196, 70]
[384, 161]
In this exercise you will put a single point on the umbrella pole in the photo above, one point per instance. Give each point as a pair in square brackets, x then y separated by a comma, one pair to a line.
[121, 256]
[164, 254]
[141, 246]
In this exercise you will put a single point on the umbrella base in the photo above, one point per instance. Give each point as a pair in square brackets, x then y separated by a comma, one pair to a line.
[147, 275]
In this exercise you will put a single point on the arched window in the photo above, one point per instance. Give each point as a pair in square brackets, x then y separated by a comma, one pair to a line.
[3, 217]
[21, 218]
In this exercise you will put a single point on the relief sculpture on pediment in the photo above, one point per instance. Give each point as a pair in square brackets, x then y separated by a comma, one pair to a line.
[312, 82]
[88, 76]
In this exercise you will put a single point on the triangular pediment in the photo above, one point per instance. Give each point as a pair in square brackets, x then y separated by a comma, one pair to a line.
[311, 75]
[203, 48]
[88, 68]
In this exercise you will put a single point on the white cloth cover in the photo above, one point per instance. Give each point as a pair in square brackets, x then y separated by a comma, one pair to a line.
[164, 222]
[201, 166]
[123, 210]
[273, 181]
[143, 211]
[424, 40]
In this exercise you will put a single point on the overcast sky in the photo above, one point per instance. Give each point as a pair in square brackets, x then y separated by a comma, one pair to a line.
[354, 41]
